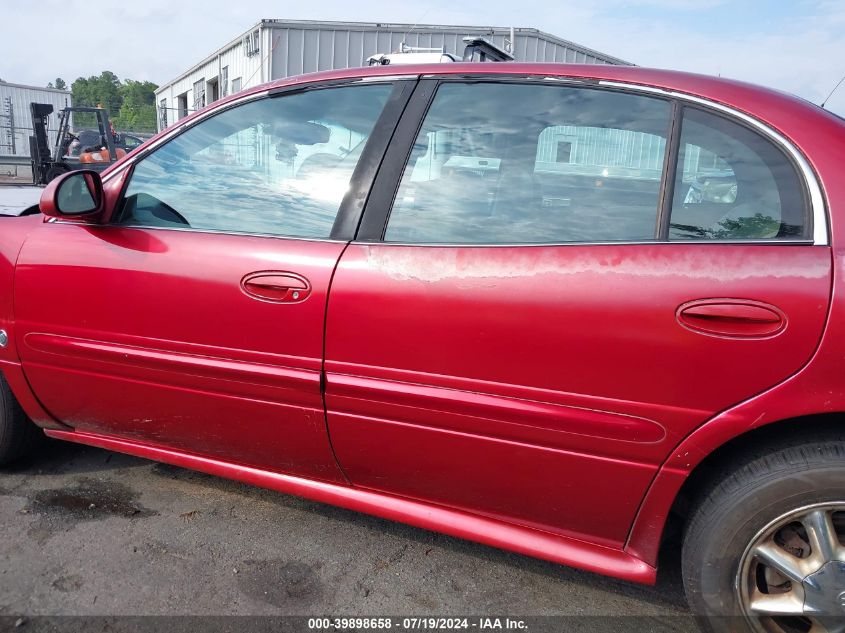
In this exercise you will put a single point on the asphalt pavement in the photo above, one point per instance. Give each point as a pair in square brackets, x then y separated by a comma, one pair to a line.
[88, 532]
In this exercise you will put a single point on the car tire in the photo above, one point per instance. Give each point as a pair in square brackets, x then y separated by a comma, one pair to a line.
[55, 171]
[18, 435]
[762, 503]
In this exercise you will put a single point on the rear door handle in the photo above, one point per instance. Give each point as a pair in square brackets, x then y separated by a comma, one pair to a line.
[733, 318]
[276, 286]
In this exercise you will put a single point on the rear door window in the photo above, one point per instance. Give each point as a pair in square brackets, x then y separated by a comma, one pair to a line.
[526, 163]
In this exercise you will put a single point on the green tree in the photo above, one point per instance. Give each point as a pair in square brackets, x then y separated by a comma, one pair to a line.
[98, 90]
[138, 93]
[138, 112]
[130, 104]
[60, 84]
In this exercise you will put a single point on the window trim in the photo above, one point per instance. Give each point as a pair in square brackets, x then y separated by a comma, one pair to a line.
[380, 204]
[386, 184]
[351, 208]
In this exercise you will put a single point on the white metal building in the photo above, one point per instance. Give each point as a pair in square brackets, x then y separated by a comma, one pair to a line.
[274, 49]
[16, 122]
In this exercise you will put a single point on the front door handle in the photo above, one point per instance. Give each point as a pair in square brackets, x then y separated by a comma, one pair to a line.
[733, 318]
[276, 286]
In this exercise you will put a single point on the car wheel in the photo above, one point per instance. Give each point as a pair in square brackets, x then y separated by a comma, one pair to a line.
[764, 550]
[18, 435]
[55, 171]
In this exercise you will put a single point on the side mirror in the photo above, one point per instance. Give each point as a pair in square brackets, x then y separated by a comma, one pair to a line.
[76, 194]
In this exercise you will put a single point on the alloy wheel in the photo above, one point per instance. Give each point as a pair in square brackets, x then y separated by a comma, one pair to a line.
[791, 578]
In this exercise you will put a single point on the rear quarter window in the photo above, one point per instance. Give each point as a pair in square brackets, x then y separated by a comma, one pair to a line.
[734, 184]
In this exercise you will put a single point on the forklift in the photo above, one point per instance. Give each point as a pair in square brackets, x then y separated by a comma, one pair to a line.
[87, 149]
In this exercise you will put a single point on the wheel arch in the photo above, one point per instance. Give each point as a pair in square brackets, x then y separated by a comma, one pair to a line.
[674, 491]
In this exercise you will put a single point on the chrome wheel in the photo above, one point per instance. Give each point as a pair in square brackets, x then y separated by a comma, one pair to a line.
[791, 578]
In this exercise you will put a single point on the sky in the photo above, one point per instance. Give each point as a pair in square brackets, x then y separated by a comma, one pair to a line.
[793, 45]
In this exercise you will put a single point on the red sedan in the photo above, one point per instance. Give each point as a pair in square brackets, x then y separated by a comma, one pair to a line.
[543, 307]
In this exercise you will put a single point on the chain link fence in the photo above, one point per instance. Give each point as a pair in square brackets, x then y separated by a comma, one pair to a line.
[167, 116]
[15, 131]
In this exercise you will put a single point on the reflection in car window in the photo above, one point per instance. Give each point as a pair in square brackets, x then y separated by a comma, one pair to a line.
[733, 184]
[521, 163]
[277, 166]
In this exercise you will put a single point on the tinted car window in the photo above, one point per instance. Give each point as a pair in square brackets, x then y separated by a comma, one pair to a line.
[520, 163]
[86, 141]
[733, 184]
[276, 166]
[131, 142]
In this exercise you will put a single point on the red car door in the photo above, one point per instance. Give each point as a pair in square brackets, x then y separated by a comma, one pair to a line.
[194, 319]
[558, 292]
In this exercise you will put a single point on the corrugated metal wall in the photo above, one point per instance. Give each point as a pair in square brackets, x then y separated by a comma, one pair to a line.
[240, 68]
[14, 140]
[286, 48]
[592, 146]
[297, 49]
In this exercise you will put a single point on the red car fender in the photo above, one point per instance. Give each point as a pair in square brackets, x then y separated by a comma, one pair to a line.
[12, 238]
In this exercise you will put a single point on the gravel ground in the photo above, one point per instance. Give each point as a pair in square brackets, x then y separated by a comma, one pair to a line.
[88, 532]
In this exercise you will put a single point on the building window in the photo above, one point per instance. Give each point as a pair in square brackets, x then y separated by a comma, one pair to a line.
[251, 43]
[182, 105]
[212, 90]
[162, 114]
[199, 94]
[224, 81]
[564, 152]
[236, 85]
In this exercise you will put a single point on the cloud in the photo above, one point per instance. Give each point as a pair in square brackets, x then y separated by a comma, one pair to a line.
[803, 55]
